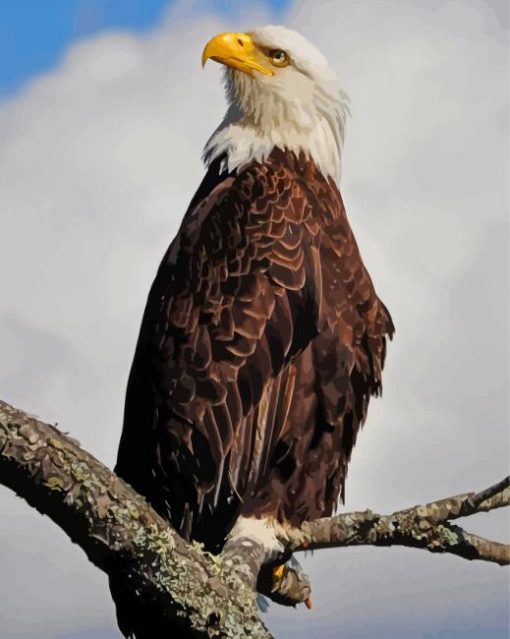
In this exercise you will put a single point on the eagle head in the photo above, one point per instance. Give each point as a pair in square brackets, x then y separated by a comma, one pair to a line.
[280, 92]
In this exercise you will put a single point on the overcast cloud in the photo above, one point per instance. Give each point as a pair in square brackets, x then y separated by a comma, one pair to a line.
[98, 161]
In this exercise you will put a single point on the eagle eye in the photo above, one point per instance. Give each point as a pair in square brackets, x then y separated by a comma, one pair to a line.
[279, 58]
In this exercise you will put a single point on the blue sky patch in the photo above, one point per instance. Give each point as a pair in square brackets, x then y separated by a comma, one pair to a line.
[34, 34]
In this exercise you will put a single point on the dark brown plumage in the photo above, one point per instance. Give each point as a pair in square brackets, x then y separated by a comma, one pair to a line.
[261, 344]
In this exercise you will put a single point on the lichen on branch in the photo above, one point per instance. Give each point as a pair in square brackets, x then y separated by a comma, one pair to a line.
[120, 532]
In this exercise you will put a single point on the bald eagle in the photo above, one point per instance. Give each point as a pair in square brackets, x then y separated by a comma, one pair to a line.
[263, 337]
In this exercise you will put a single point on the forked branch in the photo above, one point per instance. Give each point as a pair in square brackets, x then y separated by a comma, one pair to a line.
[208, 596]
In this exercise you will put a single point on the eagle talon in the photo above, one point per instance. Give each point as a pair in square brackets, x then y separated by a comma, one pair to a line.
[278, 572]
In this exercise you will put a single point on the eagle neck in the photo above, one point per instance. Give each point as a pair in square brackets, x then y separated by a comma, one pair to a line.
[240, 141]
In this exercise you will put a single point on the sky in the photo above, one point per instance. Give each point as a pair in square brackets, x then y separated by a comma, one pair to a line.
[102, 122]
[34, 35]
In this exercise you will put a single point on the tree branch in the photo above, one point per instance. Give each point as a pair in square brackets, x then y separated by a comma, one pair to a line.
[208, 596]
[425, 527]
[120, 532]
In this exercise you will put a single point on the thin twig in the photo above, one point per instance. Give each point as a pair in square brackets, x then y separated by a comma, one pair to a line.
[424, 526]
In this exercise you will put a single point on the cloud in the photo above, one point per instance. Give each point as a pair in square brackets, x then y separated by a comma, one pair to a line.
[98, 161]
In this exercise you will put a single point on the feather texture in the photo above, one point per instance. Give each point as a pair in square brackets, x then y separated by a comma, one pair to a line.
[261, 344]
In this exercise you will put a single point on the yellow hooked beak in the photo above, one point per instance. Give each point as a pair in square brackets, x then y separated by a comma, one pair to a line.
[236, 50]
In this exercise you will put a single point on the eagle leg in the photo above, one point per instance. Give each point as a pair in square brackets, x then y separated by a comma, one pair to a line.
[261, 545]
[290, 585]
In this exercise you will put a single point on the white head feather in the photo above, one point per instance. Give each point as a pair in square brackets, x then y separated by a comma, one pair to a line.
[300, 108]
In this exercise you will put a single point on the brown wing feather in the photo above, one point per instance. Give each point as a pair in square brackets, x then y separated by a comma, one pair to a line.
[217, 328]
[336, 373]
[262, 327]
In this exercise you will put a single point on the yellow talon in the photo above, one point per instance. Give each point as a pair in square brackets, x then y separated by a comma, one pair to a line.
[278, 572]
